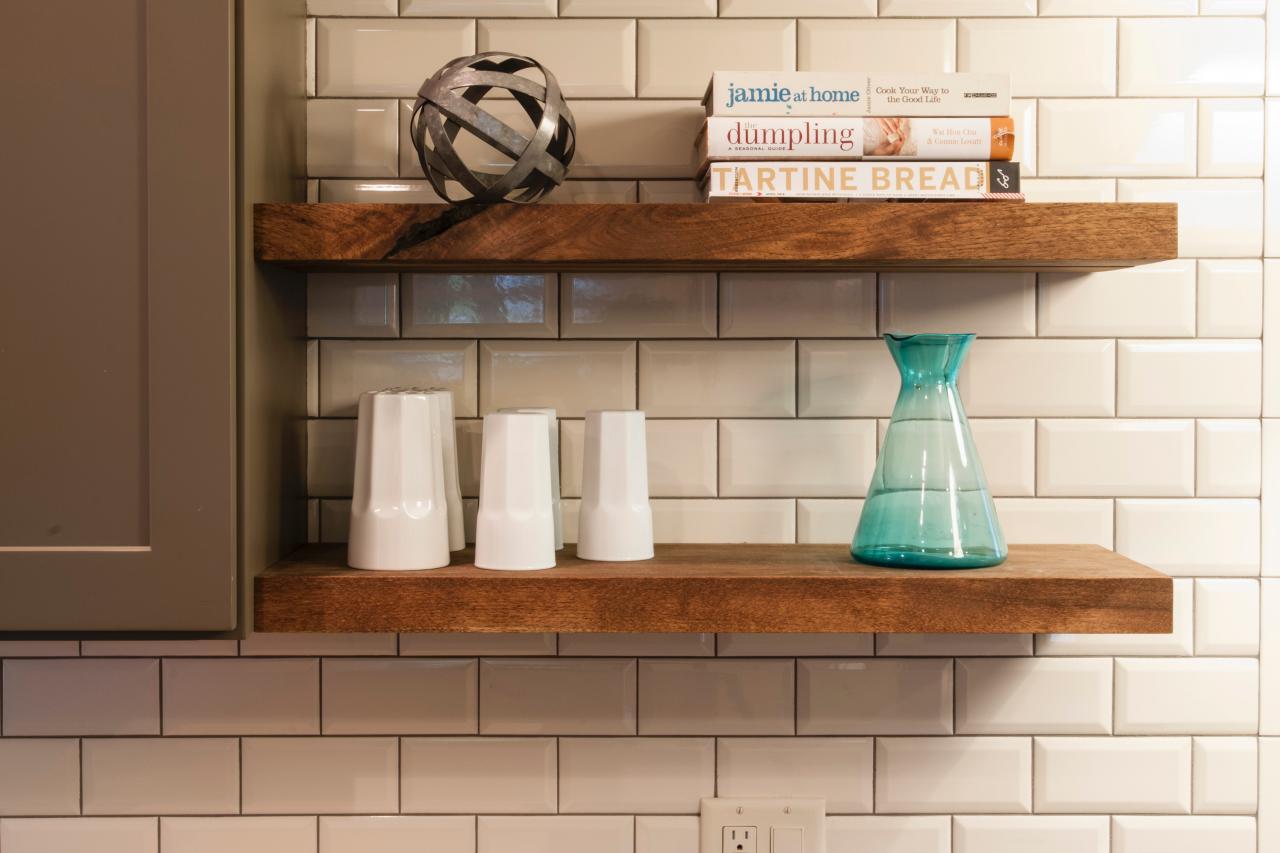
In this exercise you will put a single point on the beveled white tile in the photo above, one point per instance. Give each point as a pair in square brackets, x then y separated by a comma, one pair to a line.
[397, 834]
[1191, 56]
[1230, 299]
[1033, 696]
[610, 147]
[1271, 345]
[838, 770]
[1202, 537]
[1049, 521]
[480, 305]
[364, 8]
[313, 528]
[1026, 145]
[39, 776]
[846, 379]
[676, 58]
[808, 8]
[310, 775]
[636, 8]
[593, 192]
[379, 191]
[827, 522]
[1117, 7]
[743, 520]
[1092, 775]
[874, 697]
[1007, 450]
[717, 697]
[570, 696]
[1212, 696]
[242, 834]
[779, 458]
[399, 696]
[1090, 457]
[471, 8]
[83, 835]
[1041, 833]
[1228, 458]
[1268, 791]
[1224, 775]
[1150, 834]
[1269, 660]
[506, 775]
[378, 57]
[237, 696]
[646, 775]
[948, 8]
[507, 645]
[1271, 162]
[157, 648]
[1227, 616]
[669, 192]
[885, 45]
[1120, 138]
[81, 697]
[889, 834]
[970, 645]
[1233, 7]
[666, 834]
[1007, 378]
[988, 304]
[817, 305]
[1231, 135]
[718, 378]
[313, 379]
[1211, 378]
[319, 644]
[638, 645]
[331, 456]
[532, 373]
[352, 305]
[39, 648]
[957, 774]
[1217, 217]
[681, 457]
[638, 305]
[351, 139]
[470, 445]
[1069, 189]
[594, 58]
[1148, 300]
[349, 368]
[1045, 58]
[147, 776]
[556, 834]
[794, 645]
[1177, 642]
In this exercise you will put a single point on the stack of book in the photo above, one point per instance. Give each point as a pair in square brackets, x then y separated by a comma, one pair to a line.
[818, 135]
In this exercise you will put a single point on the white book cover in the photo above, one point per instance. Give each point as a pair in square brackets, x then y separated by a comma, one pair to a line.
[856, 93]
[861, 180]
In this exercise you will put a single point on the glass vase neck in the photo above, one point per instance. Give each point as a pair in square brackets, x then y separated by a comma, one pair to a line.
[925, 359]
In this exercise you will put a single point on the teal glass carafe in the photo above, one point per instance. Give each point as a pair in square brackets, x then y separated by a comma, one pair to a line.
[928, 506]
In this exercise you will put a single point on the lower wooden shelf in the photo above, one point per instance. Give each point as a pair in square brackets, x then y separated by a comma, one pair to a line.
[723, 588]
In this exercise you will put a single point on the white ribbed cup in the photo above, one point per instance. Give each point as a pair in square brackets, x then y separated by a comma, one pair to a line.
[615, 522]
[399, 517]
[449, 448]
[553, 437]
[515, 527]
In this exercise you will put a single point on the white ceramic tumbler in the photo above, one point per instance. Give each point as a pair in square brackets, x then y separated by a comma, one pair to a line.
[553, 437]
[615, 522]
[399, 516]
[515, 527]
[452, 488]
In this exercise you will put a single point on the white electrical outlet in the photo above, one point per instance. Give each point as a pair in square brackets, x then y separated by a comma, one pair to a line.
[763, 825]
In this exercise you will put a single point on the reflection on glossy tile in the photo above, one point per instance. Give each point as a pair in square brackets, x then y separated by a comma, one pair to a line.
[363, 58]
[780, 458]
[478, 775]
[638, 645]
[479, 305]
[874, 697]
[717, 378]
[827, 522]
[1207, 378]
[310, 775]
[641, 775]
[1201, 537]
[1224, 774]
[899, 834]
[82, 697]
[161, 776]
[846, 379]
[1217, 217]
[956, 774]
[1231, 137]
[1228, 458]
[83, 835]
[397, 834]
[1092, 458]
[399, 696]
[1177, 642]
[745, 520]
[558, 834]
[571, 696]
[1230, 299]
[638, 305]
[1093, 775]
[817, 305]
[1041, 378]
[795, 645]
[477, 644]
[1142, 138]
[242, 834]
[839, 770]
[533, 373]
[987, 304]
[349, 368]
[1191, 56]
[717, 697]
[351, 139]
[331, 456]
[885, 45]
[1044, 58]
[595, 58]
[379, 192]
[677, 57]
[352, 305]
[1148, 300]
[39, 776]
[1011, 696]
[235, 696]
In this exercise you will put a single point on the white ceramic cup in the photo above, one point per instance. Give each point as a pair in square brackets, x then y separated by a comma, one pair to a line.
[515, 527]
[399, 516]
[452, 489]
[554, 438]
[615, 522]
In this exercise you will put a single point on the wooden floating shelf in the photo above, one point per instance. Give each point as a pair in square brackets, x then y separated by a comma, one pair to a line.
[727, 588]
[763, 237]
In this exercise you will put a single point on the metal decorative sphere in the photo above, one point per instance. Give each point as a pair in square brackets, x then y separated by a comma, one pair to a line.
[449, 103]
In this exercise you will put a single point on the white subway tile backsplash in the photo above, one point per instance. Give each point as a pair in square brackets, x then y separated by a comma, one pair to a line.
[1177, 642]
[1224, 775]
[529, 373]
[1041, 833]
[1091, 457]
[1268, 792]
[645, 775]
[1232, 7]
[81, 697]
[1228, 458]
[399, 696]
[1151, 834]
[994, 304]
[1049, 521]
[1045, 58]
[147, 776]
[1082, 383]
[1217, 217]
[378, 57]
[881, 45]
[479, 775]
[1227, 616]
[1271, 343]
[990, 775]
[776, 458]
[795, 645]
[1231, 138]
[39, 776]
[636, 139]
[1121, 138]
[1099, 775]
[846, 379]
[838, 770]
[889, 834]
[676, 57]
[39, 648]
[1117, 7]
[1033, 696]
[827, 522]
[666, 834]
[633, 8]
[817, 305]
[1007, 450]
[717, 697]
[638, 645]
[310, 645]
[874, 697]
[397, 834]
[1269, 676]
[946, 8]
[1210, 537]
[325, 775]
[379, 191]
[638, 305]
[235, 696]
[745, 520]
[362, 8]
[331, 456]
[156, 648]
[808, 8]
[1230, 299]
[569, 696]
[349, 368]
[681, 457]
[1211, 378]
[1191, 56]
[1040, 190]
[718, 378]
[970, 645]
[242, 834]
[353, 305]
[1211, 696]
[83, 835]
[593, 57]
[480, 305]
[669, 192]
[558, 834]
[348, 138]
[1151, 300]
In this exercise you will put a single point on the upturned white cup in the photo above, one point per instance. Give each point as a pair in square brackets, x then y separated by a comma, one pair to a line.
[553, 437]
[615, 522]
[515, 526]
[399, 516]
[452, 488]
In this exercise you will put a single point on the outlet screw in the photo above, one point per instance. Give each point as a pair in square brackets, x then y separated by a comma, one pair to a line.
[739, 809]
[786, 809]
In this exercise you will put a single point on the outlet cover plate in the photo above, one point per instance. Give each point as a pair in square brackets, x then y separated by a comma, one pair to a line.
[765, 814]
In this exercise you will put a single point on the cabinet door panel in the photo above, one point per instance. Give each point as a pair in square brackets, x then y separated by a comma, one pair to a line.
[116, 323]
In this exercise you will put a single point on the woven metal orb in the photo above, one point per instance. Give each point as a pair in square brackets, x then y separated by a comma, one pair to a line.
[448, 103]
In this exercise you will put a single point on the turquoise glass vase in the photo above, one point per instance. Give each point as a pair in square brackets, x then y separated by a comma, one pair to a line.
[928, 506]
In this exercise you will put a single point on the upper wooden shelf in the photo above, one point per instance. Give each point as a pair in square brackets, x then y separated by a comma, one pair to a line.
[764, 237]
[726, 588]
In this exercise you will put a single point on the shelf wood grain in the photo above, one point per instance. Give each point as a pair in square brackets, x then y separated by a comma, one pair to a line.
[763, 237]
[725, 588]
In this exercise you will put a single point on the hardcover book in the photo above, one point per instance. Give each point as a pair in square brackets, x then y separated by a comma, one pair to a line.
[849, 93]
[845, 138]
[862, 180]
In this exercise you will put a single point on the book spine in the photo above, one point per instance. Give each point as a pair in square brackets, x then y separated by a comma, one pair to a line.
[862, 180]
[838, 93]
[844, 138]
